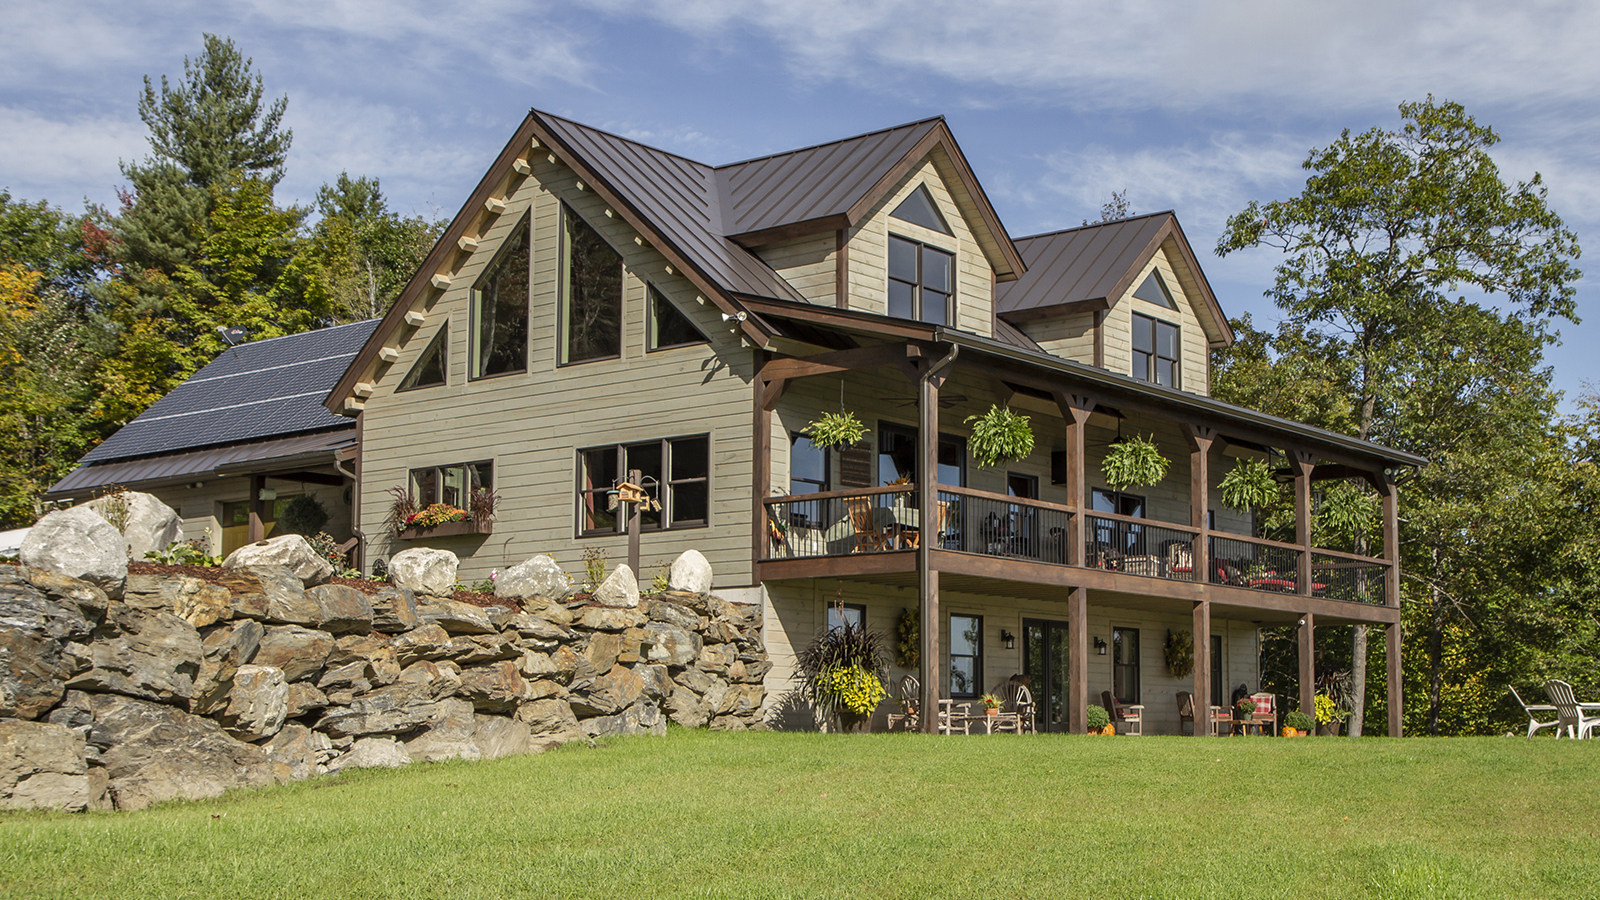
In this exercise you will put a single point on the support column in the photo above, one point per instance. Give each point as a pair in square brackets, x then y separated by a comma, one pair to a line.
[1300, 462]
[1202, 669]
[1391, 539]
[1308, 665]
[927, 576]
[1396, 680]
[1075, 410]
[1078, 660]
[258, 525]
[760, 468]
[1200, 440]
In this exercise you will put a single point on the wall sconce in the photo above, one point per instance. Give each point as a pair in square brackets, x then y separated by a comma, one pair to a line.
[1100, 646]
[1009, 638]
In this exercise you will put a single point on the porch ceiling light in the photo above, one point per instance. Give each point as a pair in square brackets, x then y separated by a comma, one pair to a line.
[1100, 646]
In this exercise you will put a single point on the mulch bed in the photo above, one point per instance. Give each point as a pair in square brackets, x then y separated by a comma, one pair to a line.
[214, 575]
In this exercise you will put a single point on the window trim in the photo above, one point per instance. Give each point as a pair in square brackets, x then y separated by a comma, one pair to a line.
[1155, 356]
[411, 478]
[563, 286]
[796, 437]
[651, 295]
[1137, 674]
[977, 658]
[475, 309]
[667, 485]
[951, 304]
[441, 339]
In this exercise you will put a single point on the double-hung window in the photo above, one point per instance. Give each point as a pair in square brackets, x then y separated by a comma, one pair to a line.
[1125, 664]
[921, 281]
[1155, 351]
[451, 485]
[966, 655]
[675, 471]
[847, 615]
[500, 310]
[591, 293]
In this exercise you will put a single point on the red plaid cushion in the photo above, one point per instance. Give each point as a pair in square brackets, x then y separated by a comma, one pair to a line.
[1263, 703]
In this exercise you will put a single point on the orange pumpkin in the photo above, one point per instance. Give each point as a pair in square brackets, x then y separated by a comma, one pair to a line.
[1290, 732]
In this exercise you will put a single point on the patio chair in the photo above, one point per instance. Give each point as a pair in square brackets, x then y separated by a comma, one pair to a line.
[1569, 712]
[1266, 712]
[1533, 720]
[950, 720]
[869, 537]
[1180, 561]
[1128, 719]
[1019, 700]
[941, 513]
[910, 693]
[1185, 711]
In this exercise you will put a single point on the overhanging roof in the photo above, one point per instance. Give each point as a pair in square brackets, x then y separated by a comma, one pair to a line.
[300, 451]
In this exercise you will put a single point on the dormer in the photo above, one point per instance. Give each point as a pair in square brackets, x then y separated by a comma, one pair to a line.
[1126, 296]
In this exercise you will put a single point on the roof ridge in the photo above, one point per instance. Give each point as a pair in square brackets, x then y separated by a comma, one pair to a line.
[1043, 234]
[296, 334]
[853, 137]
[612, 134]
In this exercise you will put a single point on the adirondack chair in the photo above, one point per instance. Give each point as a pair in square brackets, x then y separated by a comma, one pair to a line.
[1533, 720]
[1019, 700]
[869, 537]
[910, 694]
[1569, 712]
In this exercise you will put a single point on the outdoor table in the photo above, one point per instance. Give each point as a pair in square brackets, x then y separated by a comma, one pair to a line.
[988, 722]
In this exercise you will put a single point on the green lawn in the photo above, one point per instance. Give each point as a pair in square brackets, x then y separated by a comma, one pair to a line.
[879, 816]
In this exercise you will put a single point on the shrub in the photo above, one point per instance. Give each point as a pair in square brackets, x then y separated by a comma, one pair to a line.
[594, 566]
[1180, 653]
[1097, 718]
[908, 650]
[1297, 720]
[840, 429]
[1133, 462]
[1249, 485]
[304, 515]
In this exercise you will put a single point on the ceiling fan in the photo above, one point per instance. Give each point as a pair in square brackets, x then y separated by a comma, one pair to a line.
[945, 400]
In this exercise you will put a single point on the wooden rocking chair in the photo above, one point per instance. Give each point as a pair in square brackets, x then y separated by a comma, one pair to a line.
[910, 695]
[869, 537]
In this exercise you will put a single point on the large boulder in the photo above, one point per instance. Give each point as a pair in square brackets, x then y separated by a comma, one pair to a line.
[394, 609]
[147, 523]
[455, 617]
[42, 767]
[79, 543]
[257, 704]
[619, 589]
[497, 736]
[423, 642]
[690, 573]
[373, 753]
[342, 608]
[153, 752]
[494, 689]
[607, 694]
[151, 655]
[424, 570]
[35, 657]
[225, 648]
[548, 717]
[294, 749]
[289, 550]
[299, 652]
[671, 645]
[395, 709]
[687, 709]
[448, 737]
[539, 577]
[641, 718]
[282, 596]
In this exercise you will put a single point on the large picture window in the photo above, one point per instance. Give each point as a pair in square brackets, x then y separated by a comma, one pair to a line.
[921, 281]
[500, 310]
[680, 466]
[1155, 350]
[591, 293]
[966, 656]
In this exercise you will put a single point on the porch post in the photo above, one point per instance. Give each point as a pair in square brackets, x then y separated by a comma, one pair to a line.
[927, 576]
[1396, 680]
[760, 466]
[1200, 440]
[1202, 668]
[1075, 410]
[1078, 660]
[1308, 665]
[1300, 462]
[258, 525]
[1391, 539]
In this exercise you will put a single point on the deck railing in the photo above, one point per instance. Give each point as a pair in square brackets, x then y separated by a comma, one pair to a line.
[839, 523]
[1000, 525]
[1255, 563]
[1139, 546]
[1347, 576]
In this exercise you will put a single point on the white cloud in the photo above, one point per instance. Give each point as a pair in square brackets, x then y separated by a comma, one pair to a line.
[62, 160]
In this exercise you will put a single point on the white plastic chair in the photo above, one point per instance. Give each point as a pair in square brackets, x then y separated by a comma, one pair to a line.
[1533, 720]
[1569, 717]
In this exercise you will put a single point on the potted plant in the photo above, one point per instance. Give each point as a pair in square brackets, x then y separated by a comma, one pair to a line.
[830, 430]
[1098, 721]
[991, 704]
[1249, 485]
[1329, 715]
[843, 672]
[1244, 709]
[1133, 462]
[1296, 724]
[999, 436]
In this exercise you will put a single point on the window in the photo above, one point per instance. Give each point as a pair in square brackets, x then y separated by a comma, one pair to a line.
[853, 615]
[897, 456]
[921, 280]
[918, 208]
[1125, 664]
[808, 465]
[429, 370]
[1112, 538]
[1216, 670]
[1117, 502]
[591, 293]
[669, 327]
[500, 310]
[966, 655]
[675, 471]
[1155, 350]
[452, 485]
[1154, 290]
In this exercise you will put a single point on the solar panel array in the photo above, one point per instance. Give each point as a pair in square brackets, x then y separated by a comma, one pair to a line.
[257, 390]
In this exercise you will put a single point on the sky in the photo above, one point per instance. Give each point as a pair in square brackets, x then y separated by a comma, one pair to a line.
[1198, 106]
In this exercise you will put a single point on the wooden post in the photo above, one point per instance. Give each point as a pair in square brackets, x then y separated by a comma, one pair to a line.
[1078, 660]
[1200, 440]
[1075, 410]
[927, 576]
[1202, 668]
[258, 525]
[1300, 462]
[1396, 680]
[1308, 665]
[1391, 539]
[634, 515]
[760, 467]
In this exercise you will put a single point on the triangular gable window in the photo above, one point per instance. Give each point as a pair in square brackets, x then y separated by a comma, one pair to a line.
[1154, 290]
[919, 209]
[429, 370]
[669, 326]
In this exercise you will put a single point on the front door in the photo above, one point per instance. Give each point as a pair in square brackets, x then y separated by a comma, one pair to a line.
[1044, 661]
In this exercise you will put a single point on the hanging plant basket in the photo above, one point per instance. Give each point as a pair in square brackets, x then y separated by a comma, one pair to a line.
[1180, 653]
[999, 436]
[1249, 485]
[830, 430]
[1134, 462]
[1346, 511]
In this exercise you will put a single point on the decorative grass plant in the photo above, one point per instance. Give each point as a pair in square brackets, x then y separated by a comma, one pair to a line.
[1134, 462]
[999, 436]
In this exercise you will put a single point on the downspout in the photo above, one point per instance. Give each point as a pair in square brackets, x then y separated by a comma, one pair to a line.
[927, 504]
[355, 511]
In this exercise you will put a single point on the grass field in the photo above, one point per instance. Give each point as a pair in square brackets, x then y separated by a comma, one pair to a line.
[868, 816]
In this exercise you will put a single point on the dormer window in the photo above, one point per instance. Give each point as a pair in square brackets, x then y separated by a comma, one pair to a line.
[1155, 351]
[1154, 290]
[921, 281]
[918, 208]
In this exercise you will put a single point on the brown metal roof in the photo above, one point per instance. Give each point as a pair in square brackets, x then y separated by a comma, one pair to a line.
[1007, 333]
[205, 462]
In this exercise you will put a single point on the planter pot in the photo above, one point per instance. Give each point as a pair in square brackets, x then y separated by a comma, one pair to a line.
[854, 722]
[447, 529]
[1330, 729]
[991, 712]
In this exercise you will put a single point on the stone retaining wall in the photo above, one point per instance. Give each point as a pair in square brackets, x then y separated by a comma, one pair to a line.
[175, 687]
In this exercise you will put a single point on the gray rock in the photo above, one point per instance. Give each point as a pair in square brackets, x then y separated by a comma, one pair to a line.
[35, 657]
[151, 524]
[42, 767]
[377, 651]
[601, 618]
[424, 570]
[720, 632]
[285, 598]
[292, 747]
[258, 703]
[423, 642]
[373, 753]
[196, 602]
[342, 608]
[475, 649]
[606, 694]
[536, 665]
[395, 709]
[620, 589]
[299, 652]
[90, 600]
[686, 708]
[498, 736]
[246, 594]
[566, 662]
[224, 650]
[73, 712]
[600, 653]
[303, 698]
[343, 682]
[749, 671]
[537, 632]
[151, 655]
[695, 680]
[642, 718]
[742, 701]
[448, 737]
[78, 543]
[153, 753]
[549, 717]
[657, 683]
[494, 689]
[671, 645]
[716, 658]
[288, 550]
[670, 613]
[690, 573]
[539, 576]
[455, 617]
[442, 679]
[394, 609]
[549, 610]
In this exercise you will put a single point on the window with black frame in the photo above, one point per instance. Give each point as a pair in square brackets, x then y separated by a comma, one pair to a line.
[921, 281]
[897, 456]
[1125, 664]
[1155, 351]
[808, 465]
[1114, 539]
[451, 485]
[500, 310]
[852, 615]
[669, 327]
[591, 293]
[681, 467]
[966, 656]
